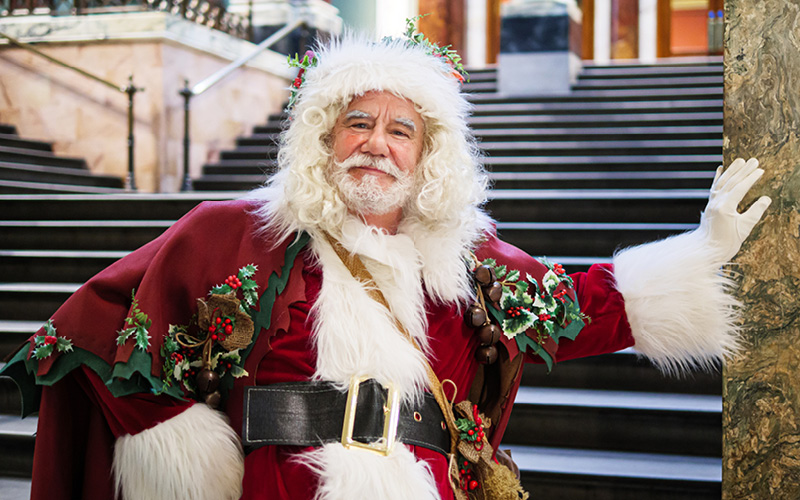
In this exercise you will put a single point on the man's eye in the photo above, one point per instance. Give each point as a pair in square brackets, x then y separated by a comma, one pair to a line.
[359, 125]
[400, 133]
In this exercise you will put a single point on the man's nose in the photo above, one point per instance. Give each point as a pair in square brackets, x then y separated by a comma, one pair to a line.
[376, 144]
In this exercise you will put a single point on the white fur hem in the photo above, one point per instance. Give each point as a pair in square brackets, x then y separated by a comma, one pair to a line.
[677, 304]
[195, 455]
[348, 474]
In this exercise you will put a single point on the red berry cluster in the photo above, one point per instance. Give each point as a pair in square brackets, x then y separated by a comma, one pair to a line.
[220, 328]
[233, 282]
[558, 269]
[516, 311]
[544, 317]
[560, 295]
[50, 339]
[478, 428]
[467, 480]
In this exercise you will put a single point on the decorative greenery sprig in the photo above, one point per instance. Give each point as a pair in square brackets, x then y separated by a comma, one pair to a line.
[138, 325]
[450, 55]
[46, 344]
[244, 281]
[309, 60]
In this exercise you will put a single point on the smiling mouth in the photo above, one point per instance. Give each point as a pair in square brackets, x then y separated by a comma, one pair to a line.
[370, 170]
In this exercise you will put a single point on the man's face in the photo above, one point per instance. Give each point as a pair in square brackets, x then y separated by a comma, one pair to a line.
[377, 143]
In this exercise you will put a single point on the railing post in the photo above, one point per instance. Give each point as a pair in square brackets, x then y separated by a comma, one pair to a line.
[187, 93]
[130, 182]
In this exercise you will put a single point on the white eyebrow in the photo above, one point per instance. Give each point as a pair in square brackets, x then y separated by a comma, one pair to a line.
[407, 122]
[357, 113]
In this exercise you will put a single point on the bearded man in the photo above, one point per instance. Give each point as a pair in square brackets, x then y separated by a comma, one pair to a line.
[356, 263]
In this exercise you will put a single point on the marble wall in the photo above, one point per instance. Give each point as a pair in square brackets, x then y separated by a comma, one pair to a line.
[86, 119]
[761, 415]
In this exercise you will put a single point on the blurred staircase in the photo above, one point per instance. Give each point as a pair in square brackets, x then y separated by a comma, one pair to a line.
[28, 166]
[627, 157]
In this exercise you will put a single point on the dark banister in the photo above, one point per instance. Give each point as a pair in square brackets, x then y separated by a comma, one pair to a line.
[215, 78]
[129, 89]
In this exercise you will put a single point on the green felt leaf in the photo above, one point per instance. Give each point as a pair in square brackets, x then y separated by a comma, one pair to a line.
[489, 262]
[512, 275]
[39, 339]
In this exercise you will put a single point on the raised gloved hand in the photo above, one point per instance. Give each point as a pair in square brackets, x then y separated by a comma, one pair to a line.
[724, 228]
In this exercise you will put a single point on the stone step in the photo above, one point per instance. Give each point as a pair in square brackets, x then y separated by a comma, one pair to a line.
[606, 97]
[32, 301]
[601, 147]
[17, 437]
[479, 87]
[582, 133]
[665, 72]
[607, 163]
[623, 371]
[683, 424]
[71, 266]
[602, 180]
[579, 119]
[44, 158]
[15, 488]
[81, 234]
[134, 206]
[559, 474]
[15, 141]
[8, 129]
[22, 172]
[584, 239]
[639, 205]
[650, 82]
[19, 187]
[211, 181]
[507, 107]
[13, 334]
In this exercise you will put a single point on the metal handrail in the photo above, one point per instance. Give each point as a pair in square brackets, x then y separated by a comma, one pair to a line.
[215, 78]
[130, 89]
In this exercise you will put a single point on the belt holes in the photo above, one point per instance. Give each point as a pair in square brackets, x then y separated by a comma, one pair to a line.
[417, 416]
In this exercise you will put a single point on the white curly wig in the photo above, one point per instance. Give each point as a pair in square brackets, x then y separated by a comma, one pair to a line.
[453, 184]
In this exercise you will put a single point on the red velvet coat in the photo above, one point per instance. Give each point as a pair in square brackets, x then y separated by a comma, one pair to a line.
[80, 417]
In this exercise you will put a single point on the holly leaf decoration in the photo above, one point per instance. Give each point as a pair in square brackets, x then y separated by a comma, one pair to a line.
[138, 326]
[63, 344]
[43, 351]
[512, 275]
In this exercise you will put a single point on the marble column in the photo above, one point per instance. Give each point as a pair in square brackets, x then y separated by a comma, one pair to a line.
[761, 415]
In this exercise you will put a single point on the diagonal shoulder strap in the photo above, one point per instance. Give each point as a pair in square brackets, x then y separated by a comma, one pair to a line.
[362, 274]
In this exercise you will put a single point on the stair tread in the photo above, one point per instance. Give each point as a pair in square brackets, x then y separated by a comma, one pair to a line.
[11, 425]
[601, 194]
[40, 287]
[595, 226]
[58, 188]
[629, 400]
[65, 254]
[12, 326]
[654, 175]
[616, 463]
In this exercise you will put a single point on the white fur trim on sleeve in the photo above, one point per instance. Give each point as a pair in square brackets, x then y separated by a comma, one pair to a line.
[677, 304]
[195, 455]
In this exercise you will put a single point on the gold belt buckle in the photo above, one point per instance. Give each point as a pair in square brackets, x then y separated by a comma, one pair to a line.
[391, 415]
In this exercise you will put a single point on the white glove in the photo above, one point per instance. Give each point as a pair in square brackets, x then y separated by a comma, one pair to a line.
[724, 228]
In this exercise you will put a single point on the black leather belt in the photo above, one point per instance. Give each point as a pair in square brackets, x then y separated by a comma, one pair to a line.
[313, 413]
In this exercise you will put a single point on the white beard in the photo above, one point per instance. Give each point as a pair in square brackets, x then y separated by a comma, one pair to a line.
[366, 196]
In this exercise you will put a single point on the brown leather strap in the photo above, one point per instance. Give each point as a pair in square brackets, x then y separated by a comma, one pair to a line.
[361, 273]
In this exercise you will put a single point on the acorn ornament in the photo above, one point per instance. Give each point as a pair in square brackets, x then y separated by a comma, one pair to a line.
[476, 316]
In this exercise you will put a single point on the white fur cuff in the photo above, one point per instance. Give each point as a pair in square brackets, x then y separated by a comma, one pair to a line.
[195, 455]
[676, 302]
[348, 474]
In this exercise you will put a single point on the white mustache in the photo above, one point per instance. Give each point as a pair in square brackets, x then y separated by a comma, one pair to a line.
[385, 165]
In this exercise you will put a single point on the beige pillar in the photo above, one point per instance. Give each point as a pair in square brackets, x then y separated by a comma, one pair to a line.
[761, 415]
